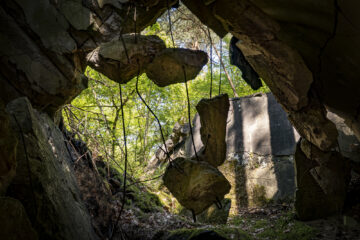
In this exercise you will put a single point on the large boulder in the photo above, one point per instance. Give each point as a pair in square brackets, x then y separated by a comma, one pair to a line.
[169, 65]
[195, 184]
[15, 224]
[44, 181]
[123, 59]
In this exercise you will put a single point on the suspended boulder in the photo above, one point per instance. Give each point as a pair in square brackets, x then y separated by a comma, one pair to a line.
[238, 59]
[195, 184]
[213, 116]
[119, 59]
[167, 67]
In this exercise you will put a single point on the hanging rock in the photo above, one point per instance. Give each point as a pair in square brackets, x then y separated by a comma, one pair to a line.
[213, 116]
[111, 58]
[324, 194]
[196, 185]
[167, 67]
[14, 222]
[238, 59]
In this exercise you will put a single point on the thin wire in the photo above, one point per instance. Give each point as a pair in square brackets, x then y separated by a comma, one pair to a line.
[135, 23]
[170, 25]
[126, 163]
[211, 62]
[189, 116]
[148, 107]
[220, 66]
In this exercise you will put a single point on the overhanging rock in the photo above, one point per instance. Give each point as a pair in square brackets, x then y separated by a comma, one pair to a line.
[195, 184]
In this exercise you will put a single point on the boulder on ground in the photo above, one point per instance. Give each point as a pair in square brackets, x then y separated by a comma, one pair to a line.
[195, 184]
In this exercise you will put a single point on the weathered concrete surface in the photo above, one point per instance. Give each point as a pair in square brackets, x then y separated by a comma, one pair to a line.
[14, 222]
[167, 67]
[195, 184]
[44, 182]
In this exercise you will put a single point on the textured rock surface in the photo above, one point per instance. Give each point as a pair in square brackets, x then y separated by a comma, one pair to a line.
[95, 191]
[167, 67]
[8, 144]
[324, 194]
[121, 61]
[197, 185]
[213, 116]
[44, 182]
[15, 224]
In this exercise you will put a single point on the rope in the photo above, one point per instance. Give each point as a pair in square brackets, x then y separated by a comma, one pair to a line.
[148, 107]
[211, 62]
[126, 163]
[189, 115]
[170, 25]
[220, 66]
[135, 23]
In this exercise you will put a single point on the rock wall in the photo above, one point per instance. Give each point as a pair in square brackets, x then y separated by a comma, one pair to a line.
[44, 182]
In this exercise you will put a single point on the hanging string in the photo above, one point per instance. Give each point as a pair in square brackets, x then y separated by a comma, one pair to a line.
[189, 115]
[170, 24]
[126, 163]
[151, 111]
[220, 66]
[135, 23]
[211, 62]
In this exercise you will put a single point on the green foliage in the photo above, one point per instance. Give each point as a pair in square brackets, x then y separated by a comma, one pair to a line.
[95, 115]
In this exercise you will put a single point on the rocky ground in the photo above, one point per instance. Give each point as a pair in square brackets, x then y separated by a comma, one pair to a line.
[274, 222]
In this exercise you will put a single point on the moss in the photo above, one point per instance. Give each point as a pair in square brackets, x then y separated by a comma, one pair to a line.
[284, 228]
[144, 199]
[259, 196]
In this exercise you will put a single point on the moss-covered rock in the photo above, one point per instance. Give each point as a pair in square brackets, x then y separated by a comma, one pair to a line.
[195, 184]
